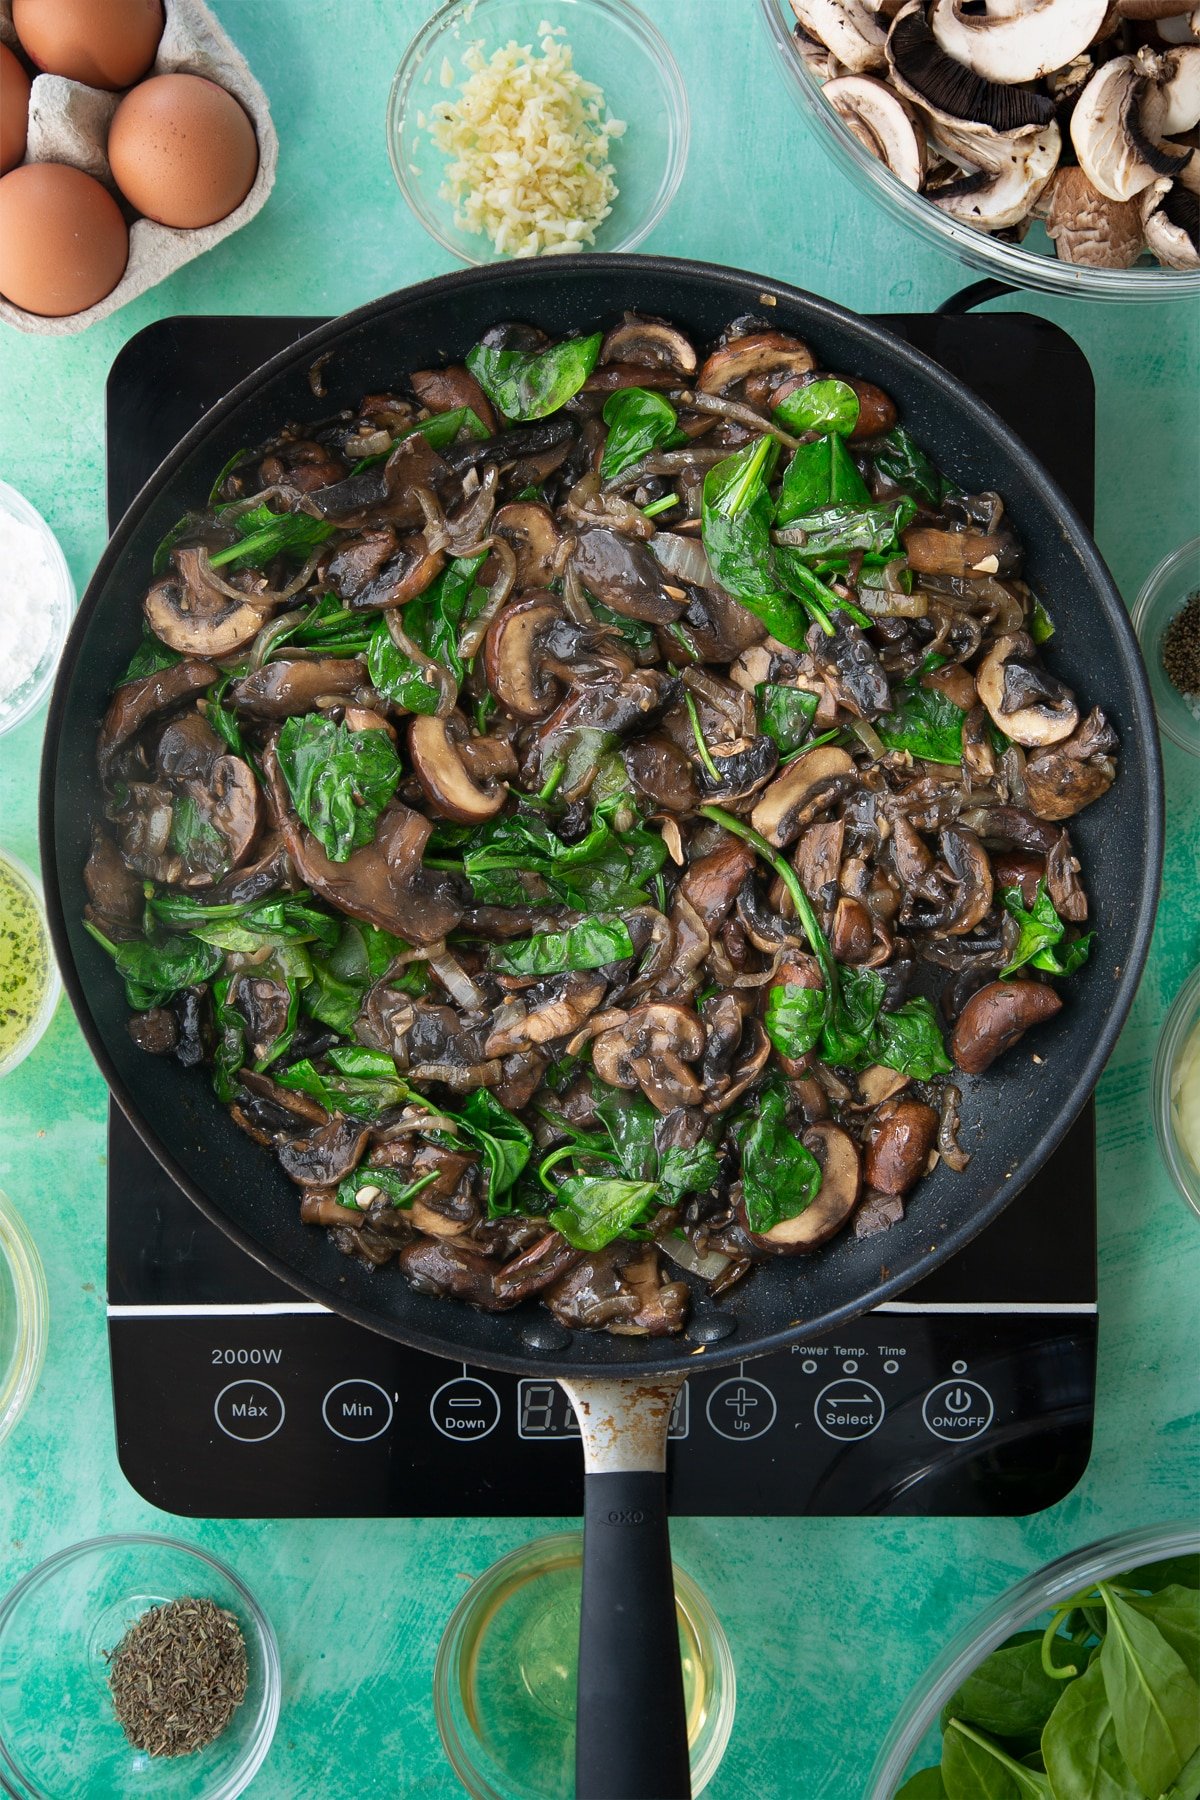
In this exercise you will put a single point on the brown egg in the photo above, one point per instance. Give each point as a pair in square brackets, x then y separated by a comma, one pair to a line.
[63, 242]
[182, 150]
[14, 110]
[107, 43]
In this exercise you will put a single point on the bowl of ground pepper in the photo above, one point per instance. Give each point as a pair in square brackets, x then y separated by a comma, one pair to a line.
[1166, 617]
[134, 1664]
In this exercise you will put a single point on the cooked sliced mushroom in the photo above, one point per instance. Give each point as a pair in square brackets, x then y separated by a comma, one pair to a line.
[1116, 129]
[622, 573]
[933, 551]
[445, 390]
[1046, 717]
[883, 123]
[534, 536]
[968, 863]
[532, 650]
[1061, 781]
[411, 569]
[288, 686]
[848, 28]
[195, 612]
[711, 882]
[950, 91]
[440, 750]
[1017, 40]
[552, 1009]
[327, 1155]
[834, 1201]
[897, 1145]
[650, 344]
[995, 1018]
[808, 786]
[758, 353]
[1170, 216]
[651, 1051]
[1086, 227]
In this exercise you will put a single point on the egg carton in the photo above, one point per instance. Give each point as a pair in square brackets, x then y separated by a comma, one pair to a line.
[68, 123]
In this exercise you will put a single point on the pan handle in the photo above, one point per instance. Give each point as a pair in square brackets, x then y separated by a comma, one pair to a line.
[631, 1722]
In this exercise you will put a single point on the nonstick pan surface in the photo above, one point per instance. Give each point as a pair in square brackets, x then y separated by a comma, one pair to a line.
[1012, 1118]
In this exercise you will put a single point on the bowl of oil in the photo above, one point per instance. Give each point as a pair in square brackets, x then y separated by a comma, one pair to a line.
[29, 981]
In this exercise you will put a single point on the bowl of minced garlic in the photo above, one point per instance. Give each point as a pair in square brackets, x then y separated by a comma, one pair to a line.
[519, 130]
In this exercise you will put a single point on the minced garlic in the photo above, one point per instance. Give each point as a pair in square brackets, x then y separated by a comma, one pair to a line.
[529, 142]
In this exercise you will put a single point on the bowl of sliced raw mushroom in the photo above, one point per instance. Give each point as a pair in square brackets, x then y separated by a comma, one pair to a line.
[1053, 143]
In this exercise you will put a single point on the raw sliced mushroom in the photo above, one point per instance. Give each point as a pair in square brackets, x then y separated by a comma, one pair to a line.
[1170, 216]
[1044, 720]
[1116, 130]
[835, 1200]
[883, 123]
[949, 90]
[848, 28]
[1006, 174]
[1086, 227]
[1016, 40]
[458, 773]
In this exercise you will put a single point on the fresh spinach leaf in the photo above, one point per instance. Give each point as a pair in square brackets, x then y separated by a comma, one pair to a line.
[593, 1210]
[339, 780]
[639, 421]
[1041, 934]
[588, 945]
[1010, 1692]
[906, 466]
[975, 1768]
[1187, 1786]
[149, 657]
[264, 535]
[780, 1175]
[926, 724]
[1172, 1571]
[1079, 1744]
[1155, 1702]
[785, 714]
[153, 973]
[529, 384]
[1176, 1612]
[827, 406]
[926, 1784]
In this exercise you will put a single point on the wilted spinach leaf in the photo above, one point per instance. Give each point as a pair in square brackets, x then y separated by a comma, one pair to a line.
[906, 465]
[593, 1210]
[154, 972]
[780, 1175]
[434, 622]
[149, 657]
[529, 384]
[926, 724]
[785, 714]
[339, 780]
[588, 945]
[254, 925]
[838, 530]
[822, 473]
[736, 529]
[399, 1185]
[795, 1017]
[639, 421]
[505, 1142]
[265, 534]
[604, 872]
[1041, 933]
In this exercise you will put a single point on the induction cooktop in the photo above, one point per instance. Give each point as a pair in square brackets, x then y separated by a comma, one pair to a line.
[235, 1398]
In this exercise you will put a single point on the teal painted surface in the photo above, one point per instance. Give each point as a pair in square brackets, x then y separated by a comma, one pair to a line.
[830, 1622]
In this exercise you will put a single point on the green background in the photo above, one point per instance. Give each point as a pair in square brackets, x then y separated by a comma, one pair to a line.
[830, 1621]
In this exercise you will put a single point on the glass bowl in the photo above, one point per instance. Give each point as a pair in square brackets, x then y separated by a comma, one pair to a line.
[613, 44]
[59, 1736]
[1177, 1060]
[22, 906]
[1163, 593]
[54, 593]
[504, 1681]
[914, 1740]
[1022, 264]
[24, 1312]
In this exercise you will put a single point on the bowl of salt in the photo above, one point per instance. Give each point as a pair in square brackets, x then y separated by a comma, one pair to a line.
[37, 599]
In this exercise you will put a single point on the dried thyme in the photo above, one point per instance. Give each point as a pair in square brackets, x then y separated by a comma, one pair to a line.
[1181, 648]
[178, 1676]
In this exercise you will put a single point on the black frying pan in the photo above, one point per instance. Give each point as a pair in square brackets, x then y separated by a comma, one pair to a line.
[1012, 1118]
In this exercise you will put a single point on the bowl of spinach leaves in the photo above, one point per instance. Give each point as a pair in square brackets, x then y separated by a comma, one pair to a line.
[1080, 1683]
